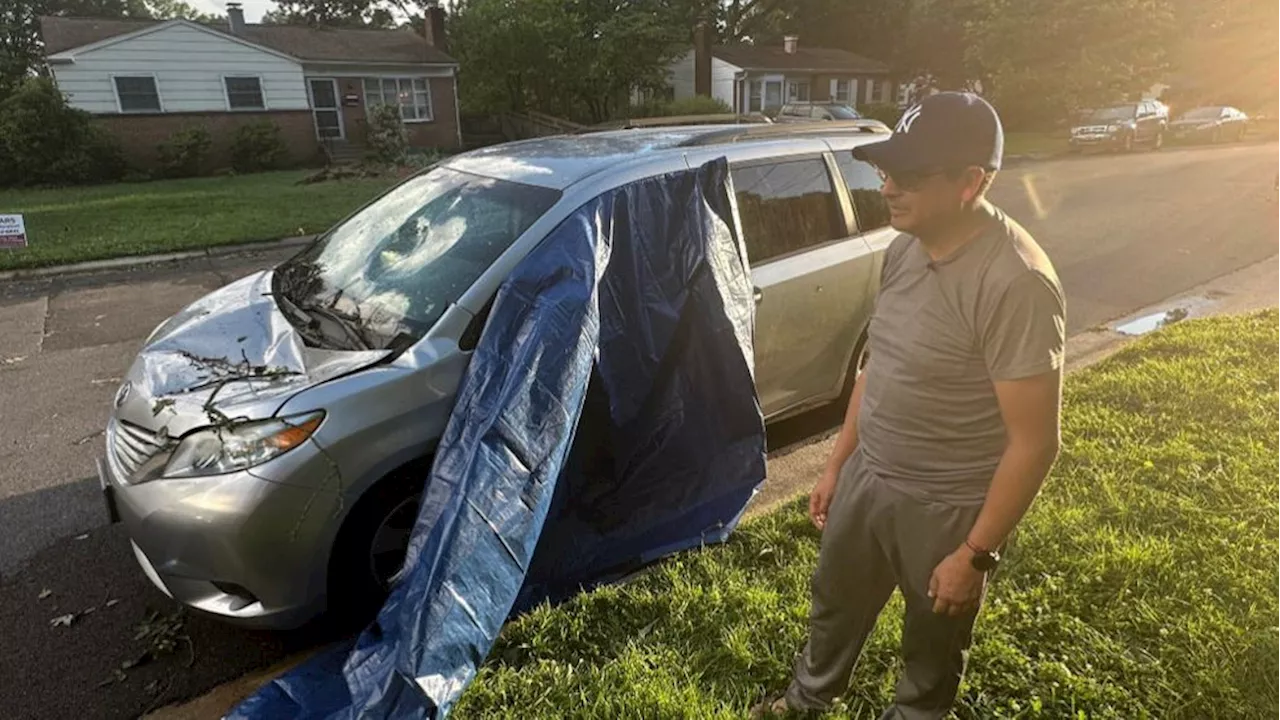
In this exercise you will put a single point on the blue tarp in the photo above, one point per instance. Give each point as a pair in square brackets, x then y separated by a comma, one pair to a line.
[644, 296]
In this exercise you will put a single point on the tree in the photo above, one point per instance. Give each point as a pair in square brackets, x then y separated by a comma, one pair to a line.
[340, 13]
[172, 9]
[1040, 59]
[571, 58]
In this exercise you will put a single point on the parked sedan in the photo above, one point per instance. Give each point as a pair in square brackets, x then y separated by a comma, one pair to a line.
[268, 447]
[1213, 123]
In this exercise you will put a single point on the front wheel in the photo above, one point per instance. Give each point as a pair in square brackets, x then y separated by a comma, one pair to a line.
[370, 548]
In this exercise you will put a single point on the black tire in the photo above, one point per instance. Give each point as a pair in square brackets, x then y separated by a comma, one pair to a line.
[859, 361]
[359, 571]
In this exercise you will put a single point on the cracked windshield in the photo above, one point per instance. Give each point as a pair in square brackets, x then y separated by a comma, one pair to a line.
[643, 359]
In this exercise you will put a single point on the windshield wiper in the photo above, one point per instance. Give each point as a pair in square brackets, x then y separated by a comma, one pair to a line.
[310, 314]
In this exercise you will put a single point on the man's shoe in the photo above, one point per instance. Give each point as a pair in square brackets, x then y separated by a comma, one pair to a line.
[770, 708]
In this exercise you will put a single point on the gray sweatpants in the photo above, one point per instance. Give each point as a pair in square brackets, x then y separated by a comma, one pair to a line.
[878, 537]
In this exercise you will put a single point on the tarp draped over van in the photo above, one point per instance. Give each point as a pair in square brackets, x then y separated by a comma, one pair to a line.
[642, 294]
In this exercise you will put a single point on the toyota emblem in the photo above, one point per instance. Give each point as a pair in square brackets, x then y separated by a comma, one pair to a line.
[123, 393]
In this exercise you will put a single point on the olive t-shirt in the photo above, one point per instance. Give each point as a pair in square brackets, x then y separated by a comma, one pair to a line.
[941, 333]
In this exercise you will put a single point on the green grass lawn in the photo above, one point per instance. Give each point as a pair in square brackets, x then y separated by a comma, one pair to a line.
[89, 223]
[1035, 143]
[1142, 584]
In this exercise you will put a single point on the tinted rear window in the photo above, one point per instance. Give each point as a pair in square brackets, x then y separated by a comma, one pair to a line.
[786, 206]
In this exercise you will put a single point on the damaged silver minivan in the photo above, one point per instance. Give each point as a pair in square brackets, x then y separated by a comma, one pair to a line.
[268, 446]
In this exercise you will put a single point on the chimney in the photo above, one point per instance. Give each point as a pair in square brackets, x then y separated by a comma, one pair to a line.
[235, 18]
[789, 44]
[702, 60]
[435, 27]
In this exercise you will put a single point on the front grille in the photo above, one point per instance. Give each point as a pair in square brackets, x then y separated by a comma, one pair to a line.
[131, 446]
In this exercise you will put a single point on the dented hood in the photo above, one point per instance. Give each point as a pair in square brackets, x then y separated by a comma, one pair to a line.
[230, 354]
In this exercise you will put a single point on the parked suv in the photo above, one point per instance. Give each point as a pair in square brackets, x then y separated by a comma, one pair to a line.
[1121, 127]
[815, 111]
[269, 445]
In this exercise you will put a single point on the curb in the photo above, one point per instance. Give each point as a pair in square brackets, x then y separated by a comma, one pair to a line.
[140, 260]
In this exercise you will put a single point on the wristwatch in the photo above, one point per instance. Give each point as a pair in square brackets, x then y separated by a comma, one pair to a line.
[983, 560]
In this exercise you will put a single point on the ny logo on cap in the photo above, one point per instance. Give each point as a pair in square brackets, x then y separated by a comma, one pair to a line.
[908, 119]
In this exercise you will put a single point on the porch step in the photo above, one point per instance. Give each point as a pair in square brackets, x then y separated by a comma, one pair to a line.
[344, 153]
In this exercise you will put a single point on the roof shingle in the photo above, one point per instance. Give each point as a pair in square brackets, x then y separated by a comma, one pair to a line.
[303, 43]
[757, 57]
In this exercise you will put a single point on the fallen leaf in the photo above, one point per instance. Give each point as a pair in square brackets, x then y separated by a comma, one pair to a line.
[89, 611]
[83, 537]
[45, 593]
[112, 602]
[63, 620]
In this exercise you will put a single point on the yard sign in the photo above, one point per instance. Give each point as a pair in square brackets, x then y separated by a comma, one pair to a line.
[13, 234]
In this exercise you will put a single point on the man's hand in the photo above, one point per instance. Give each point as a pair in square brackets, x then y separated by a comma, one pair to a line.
[820, 499]
[956, 586]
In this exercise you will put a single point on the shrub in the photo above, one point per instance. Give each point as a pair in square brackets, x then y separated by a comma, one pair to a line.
[887, 113]
[185, 153]
[258, 146]
[43, 141]
[696, 105]
[387, 138]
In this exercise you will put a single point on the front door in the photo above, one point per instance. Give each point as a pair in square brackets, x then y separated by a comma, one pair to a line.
[325, 108]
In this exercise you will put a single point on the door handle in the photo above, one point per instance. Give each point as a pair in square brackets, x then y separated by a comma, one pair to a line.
[758, 294]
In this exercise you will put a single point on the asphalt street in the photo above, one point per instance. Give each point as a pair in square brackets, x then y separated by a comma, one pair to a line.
[1123, 231]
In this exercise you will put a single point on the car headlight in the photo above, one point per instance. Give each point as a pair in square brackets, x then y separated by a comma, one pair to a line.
[221, 450]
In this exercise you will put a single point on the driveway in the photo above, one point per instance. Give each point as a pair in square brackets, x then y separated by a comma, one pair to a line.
[1124, 233]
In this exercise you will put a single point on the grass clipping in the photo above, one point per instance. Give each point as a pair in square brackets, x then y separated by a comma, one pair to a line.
[1142, 584]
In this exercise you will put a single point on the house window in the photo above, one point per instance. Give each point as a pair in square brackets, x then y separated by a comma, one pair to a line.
[411, 95]
[244, 93]
[842, 91]
[798, 91]
[137, 93]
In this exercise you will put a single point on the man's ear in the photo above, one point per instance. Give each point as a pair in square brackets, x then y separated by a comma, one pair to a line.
[974, 178]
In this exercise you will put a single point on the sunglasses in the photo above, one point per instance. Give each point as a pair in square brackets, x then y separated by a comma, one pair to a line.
[909, 180]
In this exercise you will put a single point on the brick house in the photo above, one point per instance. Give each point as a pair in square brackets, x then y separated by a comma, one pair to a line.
[143, 80]
[759, 78]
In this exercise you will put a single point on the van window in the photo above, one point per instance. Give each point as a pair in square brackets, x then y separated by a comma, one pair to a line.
[864, 189]
[394, 267]
[786, 206]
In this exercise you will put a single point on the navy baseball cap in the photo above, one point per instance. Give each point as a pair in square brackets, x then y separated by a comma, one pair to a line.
[945, 130]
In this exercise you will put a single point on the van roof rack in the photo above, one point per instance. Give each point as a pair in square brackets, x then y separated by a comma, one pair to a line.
[863, 126]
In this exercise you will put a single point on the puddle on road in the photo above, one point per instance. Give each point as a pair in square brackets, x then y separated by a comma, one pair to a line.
[1164, 318]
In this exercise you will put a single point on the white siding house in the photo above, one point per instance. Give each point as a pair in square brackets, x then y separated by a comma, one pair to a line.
[758, 78]
[145, 81]
[722, 79]
[188, 66]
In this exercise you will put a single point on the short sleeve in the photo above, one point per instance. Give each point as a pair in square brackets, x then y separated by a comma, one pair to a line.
[1025, 335]
[893, 257]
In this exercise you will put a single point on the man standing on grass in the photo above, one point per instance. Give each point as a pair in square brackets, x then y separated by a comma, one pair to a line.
[953, 425]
